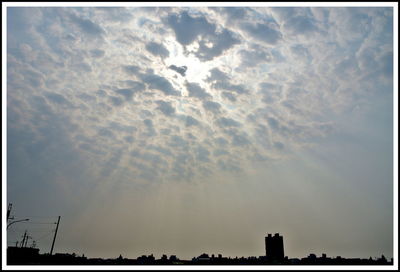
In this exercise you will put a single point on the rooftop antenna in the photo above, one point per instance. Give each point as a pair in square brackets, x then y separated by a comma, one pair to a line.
[23, 239]
[26, 241]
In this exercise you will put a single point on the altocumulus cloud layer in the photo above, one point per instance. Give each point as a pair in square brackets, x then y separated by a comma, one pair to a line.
[156, 95]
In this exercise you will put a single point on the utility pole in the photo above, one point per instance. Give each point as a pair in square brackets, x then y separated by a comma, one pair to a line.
[55, 235]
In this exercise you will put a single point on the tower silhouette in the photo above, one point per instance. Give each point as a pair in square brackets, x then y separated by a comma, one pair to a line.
[274, 248]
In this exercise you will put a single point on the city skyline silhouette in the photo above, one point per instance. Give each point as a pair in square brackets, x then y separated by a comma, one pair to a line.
[274, 255]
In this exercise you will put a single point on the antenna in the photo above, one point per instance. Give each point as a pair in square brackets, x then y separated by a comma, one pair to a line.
[23, 239]
[27, 238]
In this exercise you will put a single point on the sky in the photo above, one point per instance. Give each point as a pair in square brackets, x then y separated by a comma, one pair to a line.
[190, 130]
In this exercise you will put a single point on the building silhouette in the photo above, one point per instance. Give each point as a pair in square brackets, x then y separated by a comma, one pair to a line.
[274, 248]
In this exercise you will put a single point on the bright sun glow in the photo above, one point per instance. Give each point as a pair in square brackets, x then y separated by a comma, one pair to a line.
[197, 70]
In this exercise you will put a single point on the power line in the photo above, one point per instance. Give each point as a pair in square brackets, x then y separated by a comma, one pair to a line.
[44, 236]
[39, 216]
[42, 223]
[34, 230]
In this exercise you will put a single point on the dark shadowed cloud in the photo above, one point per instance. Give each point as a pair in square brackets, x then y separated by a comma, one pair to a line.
[251, 58]
[273, 123]
[33, 77]
[229, 166]
[150, 127]
[212, 106]
[227, 122]
[202, 154]
[190, 121]
[97, 53]
[220, 152]
[221, 141]
[159, 83]
[116, 14]
[116, 126]
[239, 138]
[216, 44]
[301, 24]
[279, 145]
[57, 98]
[229, 96]
[86, 97]
[131, 69]
[106, 133]
[196, 91]
[157, 49]
[165, 107]
[270, 92]
[87, 26]
[296, 21]
[127, 93]
[221, 81]
[116, 101]
[263, 32]
[180, 143]
[188, 28]
[154, 159]
[234, 13]
[212, 43]
[237, 88]
[179, 69]
[217, 75]
[160, 149]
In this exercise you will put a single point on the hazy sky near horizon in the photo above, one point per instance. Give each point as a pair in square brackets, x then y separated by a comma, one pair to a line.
[281, 122]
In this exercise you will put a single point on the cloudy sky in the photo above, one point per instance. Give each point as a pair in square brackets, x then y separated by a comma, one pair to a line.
[185, 130]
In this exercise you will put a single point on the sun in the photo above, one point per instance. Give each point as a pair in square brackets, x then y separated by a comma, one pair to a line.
[197, 71]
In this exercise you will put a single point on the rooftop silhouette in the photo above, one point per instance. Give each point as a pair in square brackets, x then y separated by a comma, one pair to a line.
[274, 255]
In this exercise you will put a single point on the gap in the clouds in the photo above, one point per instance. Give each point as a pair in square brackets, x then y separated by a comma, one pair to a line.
[197, 70]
